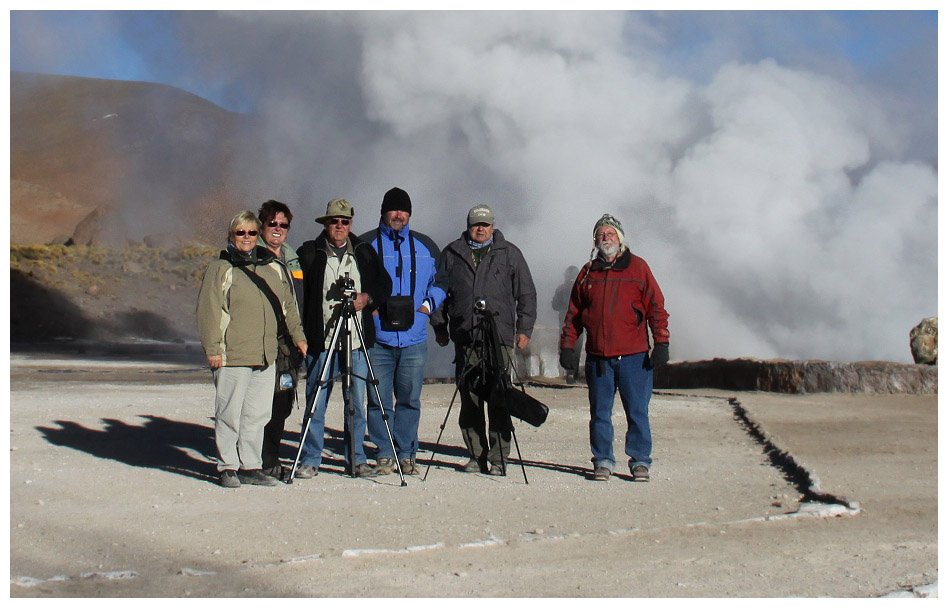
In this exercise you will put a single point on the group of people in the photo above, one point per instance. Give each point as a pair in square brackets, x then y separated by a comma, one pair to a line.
[393, 282]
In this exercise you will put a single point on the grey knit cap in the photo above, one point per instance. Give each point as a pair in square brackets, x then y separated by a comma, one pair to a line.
[608, 220]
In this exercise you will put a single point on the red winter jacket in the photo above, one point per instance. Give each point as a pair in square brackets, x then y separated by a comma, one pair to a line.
[613, 303]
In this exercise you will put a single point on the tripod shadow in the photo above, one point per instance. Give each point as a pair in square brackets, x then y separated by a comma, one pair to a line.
[168, 445]
[584, 472]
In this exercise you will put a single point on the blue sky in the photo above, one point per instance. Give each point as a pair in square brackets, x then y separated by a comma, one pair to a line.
[146, 45]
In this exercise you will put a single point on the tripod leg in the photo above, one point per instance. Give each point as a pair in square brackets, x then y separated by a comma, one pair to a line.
[443, 423]
[310, 410]
[311, 407]
[378, 399]
[523, 467]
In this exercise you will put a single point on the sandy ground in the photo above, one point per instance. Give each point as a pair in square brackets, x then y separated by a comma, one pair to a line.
[113, 493]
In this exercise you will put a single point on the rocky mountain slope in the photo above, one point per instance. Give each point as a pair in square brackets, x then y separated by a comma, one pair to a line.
[106, 162]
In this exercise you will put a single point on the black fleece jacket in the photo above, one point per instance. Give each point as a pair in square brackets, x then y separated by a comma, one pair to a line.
[374, 281]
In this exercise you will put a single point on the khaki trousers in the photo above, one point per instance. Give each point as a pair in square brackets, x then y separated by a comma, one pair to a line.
[241, 410]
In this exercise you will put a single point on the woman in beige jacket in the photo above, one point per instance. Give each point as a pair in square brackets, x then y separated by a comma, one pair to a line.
[238, 329]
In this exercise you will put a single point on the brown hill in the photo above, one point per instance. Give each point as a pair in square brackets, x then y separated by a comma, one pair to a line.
[130, 158]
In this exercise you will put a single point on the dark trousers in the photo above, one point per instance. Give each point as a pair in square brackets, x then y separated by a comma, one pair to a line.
[490, 442]
[273, 431]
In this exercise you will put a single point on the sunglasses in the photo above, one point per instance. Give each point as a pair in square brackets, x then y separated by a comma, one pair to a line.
[338, 221]
[280, 224]
[243, 232]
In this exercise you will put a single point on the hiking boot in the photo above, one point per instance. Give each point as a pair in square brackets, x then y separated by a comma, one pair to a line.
[384, 465]
[306, 471]
[255, 477]
[277, 472]
[497, 469]
[365, 470]
[640, 473]
[473, 466]
[602, 474]
[409, 466]
[229, 479]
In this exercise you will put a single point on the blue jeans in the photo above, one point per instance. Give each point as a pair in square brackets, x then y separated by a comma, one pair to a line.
[400, 372]
[631, 376]
[313, 445]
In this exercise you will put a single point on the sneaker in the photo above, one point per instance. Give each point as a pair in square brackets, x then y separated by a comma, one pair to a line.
[409, 466]
[306, 471]
[229, 479]
[640, 473]
[473, 466]
[255, 477]
[365, 470]
[384, 465]
[497, 469]
[602, 474]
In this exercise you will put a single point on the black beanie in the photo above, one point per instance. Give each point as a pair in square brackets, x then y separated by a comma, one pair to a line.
[396, 199]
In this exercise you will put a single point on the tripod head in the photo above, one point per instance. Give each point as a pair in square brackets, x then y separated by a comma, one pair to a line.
[343, 290]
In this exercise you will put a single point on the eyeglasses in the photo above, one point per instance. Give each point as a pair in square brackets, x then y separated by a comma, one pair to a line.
[338, 221]
[280, 224]
[243, 232]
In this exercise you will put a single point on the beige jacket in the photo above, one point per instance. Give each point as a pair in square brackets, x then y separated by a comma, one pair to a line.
[236, 320]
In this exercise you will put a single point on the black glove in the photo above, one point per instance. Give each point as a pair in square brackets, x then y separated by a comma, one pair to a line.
[441, 334]
[660, 354]
[569, 359]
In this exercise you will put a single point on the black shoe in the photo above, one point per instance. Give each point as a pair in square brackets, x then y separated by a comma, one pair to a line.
[306, 471]
[229, 479]
[365, 470]
[255, 477]
[640, 473]
[601, 474]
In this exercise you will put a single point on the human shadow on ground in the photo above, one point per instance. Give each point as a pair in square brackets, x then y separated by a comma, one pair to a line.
[160, 443]
[188, 449]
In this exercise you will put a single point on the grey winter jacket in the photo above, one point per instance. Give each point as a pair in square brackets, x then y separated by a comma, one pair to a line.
[502, 278]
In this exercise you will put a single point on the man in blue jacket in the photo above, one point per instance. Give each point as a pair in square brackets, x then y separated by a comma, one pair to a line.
[401, 331]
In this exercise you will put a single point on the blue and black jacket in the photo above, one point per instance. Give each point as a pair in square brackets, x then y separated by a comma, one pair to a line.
[396, 250]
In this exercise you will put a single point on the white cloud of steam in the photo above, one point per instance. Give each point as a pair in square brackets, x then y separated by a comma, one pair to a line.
[779, 207]
[757, 199]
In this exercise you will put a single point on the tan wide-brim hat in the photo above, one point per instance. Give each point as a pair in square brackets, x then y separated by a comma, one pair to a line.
[337, 207]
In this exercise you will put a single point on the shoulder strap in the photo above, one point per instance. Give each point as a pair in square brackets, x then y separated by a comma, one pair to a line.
[282, 329]
[411, 244]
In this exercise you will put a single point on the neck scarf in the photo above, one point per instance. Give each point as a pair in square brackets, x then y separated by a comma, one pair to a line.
[475, 245]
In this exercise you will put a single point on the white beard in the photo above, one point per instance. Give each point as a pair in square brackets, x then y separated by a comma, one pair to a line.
[607, 250]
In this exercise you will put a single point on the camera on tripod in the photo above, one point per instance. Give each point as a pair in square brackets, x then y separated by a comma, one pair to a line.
[342, 290]
[480, 306]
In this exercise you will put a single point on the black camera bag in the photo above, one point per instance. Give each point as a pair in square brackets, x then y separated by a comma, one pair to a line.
[398, 312]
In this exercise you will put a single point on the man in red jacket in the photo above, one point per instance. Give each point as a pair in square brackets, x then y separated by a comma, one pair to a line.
[616, 300]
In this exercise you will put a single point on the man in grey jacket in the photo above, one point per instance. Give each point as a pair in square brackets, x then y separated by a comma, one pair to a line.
[483, 265]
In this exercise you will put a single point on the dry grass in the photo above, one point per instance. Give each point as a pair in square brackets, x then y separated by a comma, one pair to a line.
[92, 265]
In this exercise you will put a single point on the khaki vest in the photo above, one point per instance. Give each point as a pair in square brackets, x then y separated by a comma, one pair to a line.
[336, 268]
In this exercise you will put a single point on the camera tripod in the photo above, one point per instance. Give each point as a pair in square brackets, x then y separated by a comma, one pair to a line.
[342, 341]
[486, 375]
